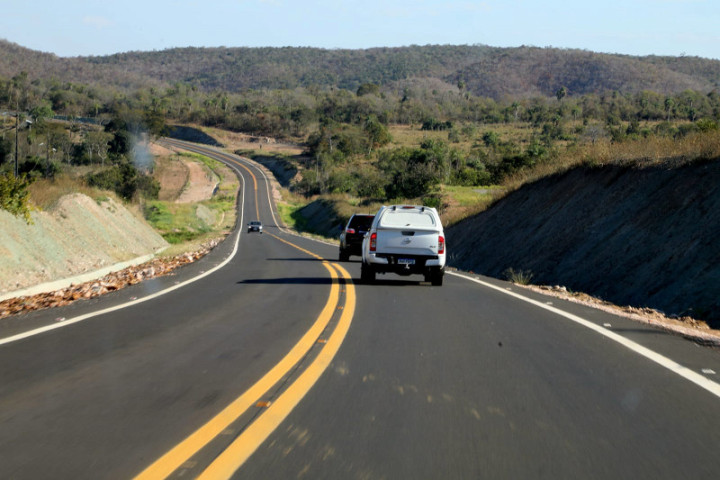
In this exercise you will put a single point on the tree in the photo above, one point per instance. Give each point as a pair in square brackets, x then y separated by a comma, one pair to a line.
[19, 96]
[669, 105]
[368, 89]
[490, 139]
[41, 113]
[155, 123]
[19, 90]
[99, 142]
[413, 172]
[561, 93]
[126, 181]
[14, 195]
[121, 144]
[595, 132]
[5, 150]
[377, 133]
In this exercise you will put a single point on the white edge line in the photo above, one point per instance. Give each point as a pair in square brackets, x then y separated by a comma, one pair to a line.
[260, 168]
[661, 360]
[87, 316]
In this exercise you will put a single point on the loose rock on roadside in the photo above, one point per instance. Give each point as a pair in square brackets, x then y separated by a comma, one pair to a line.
[109, 283]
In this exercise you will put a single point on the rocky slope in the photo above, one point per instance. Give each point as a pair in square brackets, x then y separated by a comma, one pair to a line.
[642, 237]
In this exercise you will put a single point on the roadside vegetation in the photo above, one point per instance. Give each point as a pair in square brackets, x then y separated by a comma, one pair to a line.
[456, 130]
[425, 168]
[101, 159]
[426, 141]
[187, 225]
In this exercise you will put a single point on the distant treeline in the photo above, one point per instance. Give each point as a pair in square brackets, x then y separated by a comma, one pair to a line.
[481, 70]
[339, 125]
[298, 112]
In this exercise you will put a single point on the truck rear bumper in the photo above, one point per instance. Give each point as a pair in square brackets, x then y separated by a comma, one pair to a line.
[405, 264]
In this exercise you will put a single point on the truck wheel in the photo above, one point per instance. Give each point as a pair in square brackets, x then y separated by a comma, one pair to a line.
[436, 278]
[344, 256]
[367, 274]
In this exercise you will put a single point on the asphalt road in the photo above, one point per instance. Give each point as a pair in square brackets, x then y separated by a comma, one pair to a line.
[273, 362]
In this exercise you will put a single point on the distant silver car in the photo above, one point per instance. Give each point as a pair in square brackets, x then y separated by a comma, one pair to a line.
[255, 226]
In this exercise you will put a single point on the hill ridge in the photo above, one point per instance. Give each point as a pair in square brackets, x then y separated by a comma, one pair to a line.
[487, 71]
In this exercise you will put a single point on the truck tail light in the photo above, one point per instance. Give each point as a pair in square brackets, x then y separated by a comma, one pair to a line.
[373, 242]
[350, 230]
[441, 244]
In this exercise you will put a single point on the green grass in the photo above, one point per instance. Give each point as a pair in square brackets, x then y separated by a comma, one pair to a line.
[184, 236]
[520, 277]
[469, 196]
[459, 202]
[290, 215]
[180, 222]
[187, 225]
[176, 222]
[159, 215]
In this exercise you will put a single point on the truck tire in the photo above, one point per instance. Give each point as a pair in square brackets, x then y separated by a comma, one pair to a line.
[436, 278]
[344, 256]
[367, 273]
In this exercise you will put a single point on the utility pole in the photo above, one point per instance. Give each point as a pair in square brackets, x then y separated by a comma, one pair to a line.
[17, 127]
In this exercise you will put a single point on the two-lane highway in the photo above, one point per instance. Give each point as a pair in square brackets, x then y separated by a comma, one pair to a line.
[274, 363]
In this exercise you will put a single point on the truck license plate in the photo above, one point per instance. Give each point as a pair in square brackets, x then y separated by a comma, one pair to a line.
[406, 261]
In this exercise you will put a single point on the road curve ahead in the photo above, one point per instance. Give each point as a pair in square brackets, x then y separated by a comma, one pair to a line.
[267, 359]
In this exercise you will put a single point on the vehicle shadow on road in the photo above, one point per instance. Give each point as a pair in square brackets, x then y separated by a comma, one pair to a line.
[298, 259]
[287, 281]
[649, 330]
[392, 283]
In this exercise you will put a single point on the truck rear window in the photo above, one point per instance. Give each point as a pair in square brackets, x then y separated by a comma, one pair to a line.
[406, 218]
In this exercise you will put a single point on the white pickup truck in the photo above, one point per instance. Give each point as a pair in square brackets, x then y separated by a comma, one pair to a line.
[406, 240]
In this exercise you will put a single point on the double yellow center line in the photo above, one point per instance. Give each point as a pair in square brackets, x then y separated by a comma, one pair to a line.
[245, 444]
[250, 439]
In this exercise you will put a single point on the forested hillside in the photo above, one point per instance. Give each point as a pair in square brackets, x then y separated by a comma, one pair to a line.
[15, 59]
[481, 70]
[344, 105]
[542, 71]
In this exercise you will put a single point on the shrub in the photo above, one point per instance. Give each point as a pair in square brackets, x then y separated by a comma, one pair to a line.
[341, 181]
[125, 180]
[521, 277]
[36, 167]
[436, 125]
[706, 125]
[490, 139]
[14, 195]
[432, 201]
[474, 173]
[370, 184]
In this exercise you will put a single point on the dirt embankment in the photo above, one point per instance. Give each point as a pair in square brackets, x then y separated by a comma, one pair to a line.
[76, 236]
[86, 248]
[642, 237]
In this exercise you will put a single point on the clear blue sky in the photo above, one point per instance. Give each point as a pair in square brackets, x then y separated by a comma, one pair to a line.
[102, 27]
